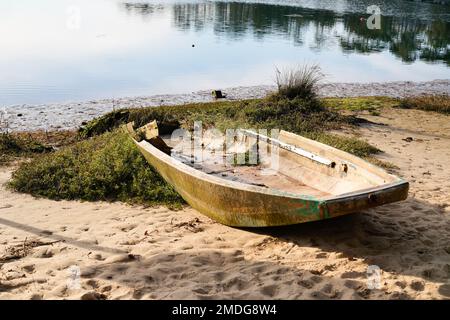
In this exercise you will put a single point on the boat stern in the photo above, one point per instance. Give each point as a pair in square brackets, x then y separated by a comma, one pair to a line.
[354, 202]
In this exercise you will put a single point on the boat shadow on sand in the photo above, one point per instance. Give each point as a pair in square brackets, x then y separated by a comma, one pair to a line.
[407, 238]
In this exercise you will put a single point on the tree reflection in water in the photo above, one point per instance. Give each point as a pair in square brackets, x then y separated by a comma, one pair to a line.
[406, 37]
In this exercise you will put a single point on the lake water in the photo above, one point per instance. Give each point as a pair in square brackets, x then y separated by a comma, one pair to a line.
[71, 50]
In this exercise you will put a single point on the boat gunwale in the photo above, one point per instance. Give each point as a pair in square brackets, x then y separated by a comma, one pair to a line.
[342, 153]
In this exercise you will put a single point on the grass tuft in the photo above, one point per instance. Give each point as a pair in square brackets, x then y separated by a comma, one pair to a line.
[298, 82]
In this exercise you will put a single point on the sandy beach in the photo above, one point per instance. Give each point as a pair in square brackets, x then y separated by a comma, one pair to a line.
[74, 250]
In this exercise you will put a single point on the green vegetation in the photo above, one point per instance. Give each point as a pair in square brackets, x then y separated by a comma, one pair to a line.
[438, 103]
[13, 146]
[390, 167]
[352, 145]
[306, 117]
[295, 115]
[105, 164]
[107, 167]
[359, 104]
[103, 124]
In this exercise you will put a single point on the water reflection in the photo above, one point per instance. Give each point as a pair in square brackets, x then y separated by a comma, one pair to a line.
[145, 47]
[408, 38]
[144, 9]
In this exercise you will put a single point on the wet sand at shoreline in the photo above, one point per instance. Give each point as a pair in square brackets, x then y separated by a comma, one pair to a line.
[72, 115]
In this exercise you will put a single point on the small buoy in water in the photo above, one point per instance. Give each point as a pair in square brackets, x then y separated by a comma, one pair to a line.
[217, 94]
[193, 45]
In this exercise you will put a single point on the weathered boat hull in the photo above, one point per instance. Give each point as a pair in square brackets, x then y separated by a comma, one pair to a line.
[236, 204]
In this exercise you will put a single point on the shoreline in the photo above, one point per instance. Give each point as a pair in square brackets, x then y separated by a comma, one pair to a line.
[71, 115]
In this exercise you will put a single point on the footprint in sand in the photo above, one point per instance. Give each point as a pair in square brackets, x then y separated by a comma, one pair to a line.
[401, 284]
[322, 255]
[60, 291]
[445, 290]
[399, 296]
[353, 275]
[417, 285]
[316, 279]
[308, 284]
[329, 290]
[204, 290]
[106, 288]
[269, 290]
[121, 258]
[120, 268]
[93, 296]
[92, 283]
[126, 228]
[236, 283]
[50, 273]
[323, 296]
[88, 272]
[29, 268]
[219, 276]
[353, 284]
[96, 256]
[130, 242]
[36, 296]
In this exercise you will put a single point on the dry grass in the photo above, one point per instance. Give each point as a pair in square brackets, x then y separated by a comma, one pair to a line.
[437, 103]
[298, 82]
[372, 105]
[388, 166]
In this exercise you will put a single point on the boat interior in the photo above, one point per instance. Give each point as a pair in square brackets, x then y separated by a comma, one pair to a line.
[288, 163]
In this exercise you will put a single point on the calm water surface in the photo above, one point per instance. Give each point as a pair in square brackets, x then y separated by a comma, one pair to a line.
[61, 50]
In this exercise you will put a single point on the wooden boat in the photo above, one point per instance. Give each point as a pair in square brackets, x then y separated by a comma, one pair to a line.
[313, 181]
